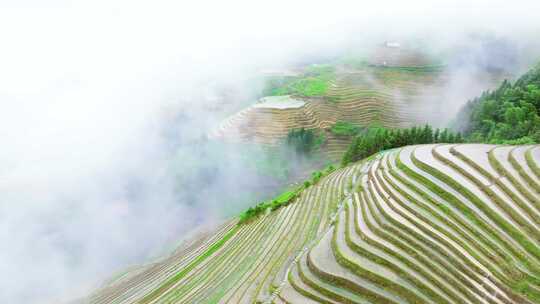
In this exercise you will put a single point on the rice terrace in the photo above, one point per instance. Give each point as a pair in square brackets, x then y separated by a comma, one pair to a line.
[410, 214]
[270, 152]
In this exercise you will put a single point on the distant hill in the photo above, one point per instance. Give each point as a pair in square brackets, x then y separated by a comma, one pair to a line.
[394, 87]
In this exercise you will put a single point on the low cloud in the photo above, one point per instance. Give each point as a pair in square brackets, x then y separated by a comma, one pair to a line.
[103, 105]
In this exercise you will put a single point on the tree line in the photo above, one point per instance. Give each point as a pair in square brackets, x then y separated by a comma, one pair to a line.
[371, 140]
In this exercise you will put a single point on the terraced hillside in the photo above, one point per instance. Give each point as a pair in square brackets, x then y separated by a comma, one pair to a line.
[420, 224]
[270, 120]
[239, 262]
[431, 224]
[397, 56]
[390, 97]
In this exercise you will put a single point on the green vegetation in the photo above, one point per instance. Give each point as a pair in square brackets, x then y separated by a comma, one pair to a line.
[344, 128]
[304, 141]
[371, 140]
[314, 82]
[317, 175]
[283, 199]
[506, 115]
[311, 86]
[277, 86]
[415, 69]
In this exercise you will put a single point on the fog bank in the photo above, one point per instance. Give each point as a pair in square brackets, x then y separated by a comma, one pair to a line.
[103, 105]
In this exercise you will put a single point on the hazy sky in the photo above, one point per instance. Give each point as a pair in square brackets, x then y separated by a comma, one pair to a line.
[85, 87]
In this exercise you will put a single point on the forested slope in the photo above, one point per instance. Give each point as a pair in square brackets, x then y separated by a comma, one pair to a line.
[509, 114]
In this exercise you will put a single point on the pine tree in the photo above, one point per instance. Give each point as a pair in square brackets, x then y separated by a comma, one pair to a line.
[414, 135]
[444, 136]
[459, 138]
[451, 138]
[427, 135]
[436, 136]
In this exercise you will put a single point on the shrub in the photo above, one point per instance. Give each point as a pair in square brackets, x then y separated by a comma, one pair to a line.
[330, 169]
[283, 199]
[344, 128]
[315, 177]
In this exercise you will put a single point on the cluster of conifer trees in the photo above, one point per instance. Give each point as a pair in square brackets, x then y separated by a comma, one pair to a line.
[304, 141]
[374, 139]
[507, 115]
